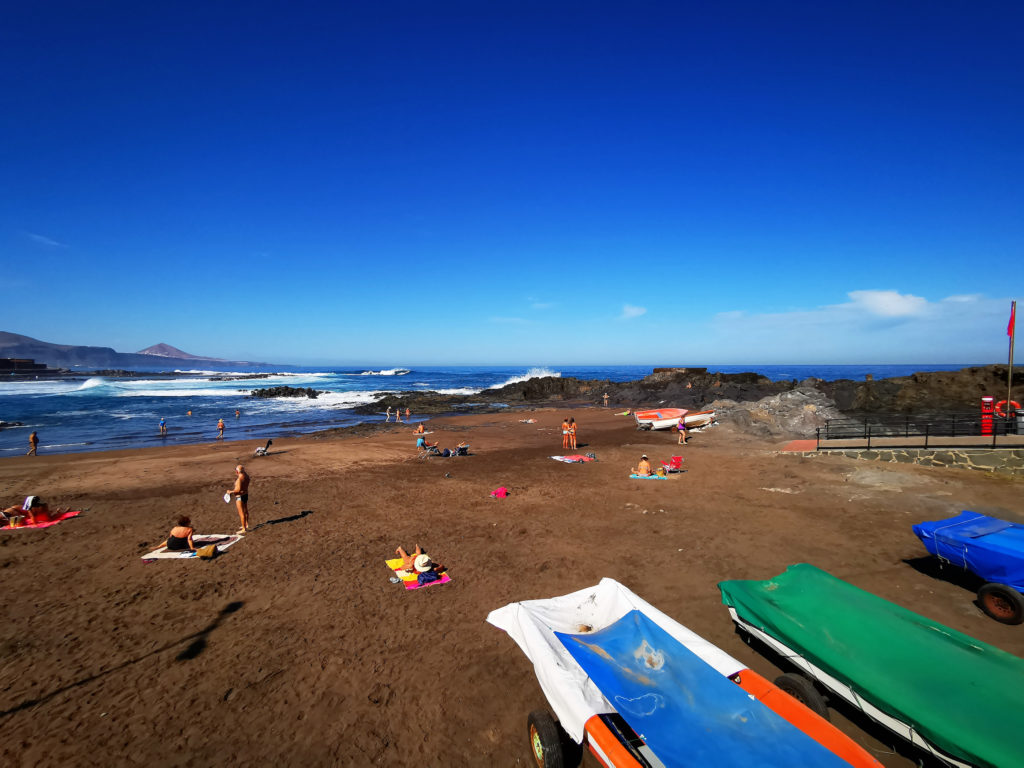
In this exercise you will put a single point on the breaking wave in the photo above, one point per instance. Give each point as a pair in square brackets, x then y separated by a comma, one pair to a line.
[533, 373]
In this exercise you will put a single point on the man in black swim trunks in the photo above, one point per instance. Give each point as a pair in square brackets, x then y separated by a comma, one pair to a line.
[241, 495]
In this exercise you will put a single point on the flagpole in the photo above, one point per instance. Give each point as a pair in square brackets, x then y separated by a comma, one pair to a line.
[1012, 331]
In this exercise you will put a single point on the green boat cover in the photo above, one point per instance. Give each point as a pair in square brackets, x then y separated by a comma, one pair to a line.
[962, 695]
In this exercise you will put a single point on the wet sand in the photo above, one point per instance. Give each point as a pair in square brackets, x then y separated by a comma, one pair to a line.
[294, 649]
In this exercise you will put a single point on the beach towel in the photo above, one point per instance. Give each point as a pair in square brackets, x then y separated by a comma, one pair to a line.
[500, 493]
[575, 459]
[52, 521]
[409, 579]
[648, 477]
[222, 540]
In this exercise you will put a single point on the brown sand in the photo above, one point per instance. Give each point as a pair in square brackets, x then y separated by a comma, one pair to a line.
[294, 649]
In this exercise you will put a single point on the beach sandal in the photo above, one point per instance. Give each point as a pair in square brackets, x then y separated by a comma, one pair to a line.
[240, 531]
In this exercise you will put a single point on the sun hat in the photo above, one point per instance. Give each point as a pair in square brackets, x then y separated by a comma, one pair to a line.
[644, 456]
[422, 563]
[30, 502]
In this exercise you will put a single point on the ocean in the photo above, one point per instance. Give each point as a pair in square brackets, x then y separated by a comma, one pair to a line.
[77, 414]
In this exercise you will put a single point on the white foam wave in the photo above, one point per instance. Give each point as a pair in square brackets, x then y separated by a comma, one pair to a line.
[95, 381]
[457, 391]
[324, 400]
[183, 392]
[533, 373]
[387, 372]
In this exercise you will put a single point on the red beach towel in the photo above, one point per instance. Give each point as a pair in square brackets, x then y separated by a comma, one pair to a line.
[500, 493]
[52, 521]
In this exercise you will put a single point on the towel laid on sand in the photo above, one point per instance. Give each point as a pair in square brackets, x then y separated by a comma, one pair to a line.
[53, 521]
[648, 477]
[222, 540]
[575, 459]
[409, 579]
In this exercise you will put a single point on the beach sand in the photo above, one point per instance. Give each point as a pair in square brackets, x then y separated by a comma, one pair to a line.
[294, 649]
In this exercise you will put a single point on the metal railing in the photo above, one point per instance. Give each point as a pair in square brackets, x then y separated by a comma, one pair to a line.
[934, 429]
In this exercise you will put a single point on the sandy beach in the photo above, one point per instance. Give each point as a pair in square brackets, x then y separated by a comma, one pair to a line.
[294, 649]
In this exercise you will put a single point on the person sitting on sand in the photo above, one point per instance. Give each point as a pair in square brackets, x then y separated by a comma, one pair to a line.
[643, 468]
[419, 430]
[420, 565]
[180, 537]
[423, 445]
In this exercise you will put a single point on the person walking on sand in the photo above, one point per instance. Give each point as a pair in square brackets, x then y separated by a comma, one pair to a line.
[220, 429]
[163, 426]
[387, 415]
[565, 433]
[572, 434]
[681, 426]
[240, 492]
[33, 443]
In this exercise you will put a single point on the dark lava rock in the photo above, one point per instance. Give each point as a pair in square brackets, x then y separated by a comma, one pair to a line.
[285, 392]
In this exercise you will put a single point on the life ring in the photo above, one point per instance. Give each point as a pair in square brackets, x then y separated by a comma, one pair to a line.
[999, 408]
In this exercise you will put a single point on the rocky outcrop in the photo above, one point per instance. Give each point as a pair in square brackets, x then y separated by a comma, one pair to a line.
[285, 392]
[794, 413]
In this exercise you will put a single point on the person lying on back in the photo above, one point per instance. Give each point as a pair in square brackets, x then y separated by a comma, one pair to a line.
[35, 509]
[420, 565]
[180, 537]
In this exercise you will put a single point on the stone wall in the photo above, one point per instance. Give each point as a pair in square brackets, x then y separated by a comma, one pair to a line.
[1004, 461]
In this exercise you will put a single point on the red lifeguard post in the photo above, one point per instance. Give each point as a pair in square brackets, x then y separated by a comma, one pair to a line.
[987, 408]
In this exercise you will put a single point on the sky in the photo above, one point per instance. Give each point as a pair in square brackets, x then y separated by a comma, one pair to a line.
[533, 183]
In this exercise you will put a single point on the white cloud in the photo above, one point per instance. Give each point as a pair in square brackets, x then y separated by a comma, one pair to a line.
[889, 303]
[43, 240]
[629, 312]
[542, 305]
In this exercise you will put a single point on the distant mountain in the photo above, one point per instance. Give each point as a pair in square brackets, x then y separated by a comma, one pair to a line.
[166, 350]
[72, 356]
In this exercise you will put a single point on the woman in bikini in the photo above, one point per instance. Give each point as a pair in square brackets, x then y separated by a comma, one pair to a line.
[572, 434]
[180, 537]
[565, 433]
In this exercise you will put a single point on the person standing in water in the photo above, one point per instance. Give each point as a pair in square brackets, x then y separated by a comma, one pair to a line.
[220, 429]
[605, 399]
[33, 442]
[240, 492]
[238, 413]
[163, 426]
[387, 415]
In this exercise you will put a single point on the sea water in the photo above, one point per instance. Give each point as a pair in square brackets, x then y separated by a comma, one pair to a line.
[73, 414]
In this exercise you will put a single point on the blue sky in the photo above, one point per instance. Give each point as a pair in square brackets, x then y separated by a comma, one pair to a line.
[531, 182]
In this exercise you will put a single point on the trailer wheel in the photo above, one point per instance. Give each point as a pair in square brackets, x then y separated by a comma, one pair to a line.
[545, 740]
[803, 690]
[1002, 603]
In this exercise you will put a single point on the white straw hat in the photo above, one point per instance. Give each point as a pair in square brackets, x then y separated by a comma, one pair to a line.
[422, 563]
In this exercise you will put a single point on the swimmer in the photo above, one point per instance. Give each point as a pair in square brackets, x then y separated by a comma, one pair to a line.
[33, 443]
[220, 429]
[163, 426]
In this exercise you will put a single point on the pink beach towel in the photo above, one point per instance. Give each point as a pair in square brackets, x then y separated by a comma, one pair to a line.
[53, 521]
[445, 578]
[574, 459]
[500, 493]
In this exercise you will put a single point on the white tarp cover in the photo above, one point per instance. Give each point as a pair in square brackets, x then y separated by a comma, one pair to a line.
[571, 694]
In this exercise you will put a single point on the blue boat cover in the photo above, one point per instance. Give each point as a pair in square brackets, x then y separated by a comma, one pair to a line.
[689, 714]
[992, 549]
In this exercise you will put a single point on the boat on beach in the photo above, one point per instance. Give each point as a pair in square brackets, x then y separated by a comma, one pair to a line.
[665, 418]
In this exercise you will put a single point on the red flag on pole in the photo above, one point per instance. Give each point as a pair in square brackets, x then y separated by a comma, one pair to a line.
[1013, 313]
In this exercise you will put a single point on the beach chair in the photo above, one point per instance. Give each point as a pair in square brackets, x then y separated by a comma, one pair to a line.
[675, 464]
[462, 450]
[430, 450]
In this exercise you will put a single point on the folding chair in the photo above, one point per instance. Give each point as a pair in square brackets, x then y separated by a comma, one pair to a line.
[675, 464]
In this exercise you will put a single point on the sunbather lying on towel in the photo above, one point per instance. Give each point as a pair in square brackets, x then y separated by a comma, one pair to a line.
[35, 509]
[420, 564]
[180, 537]
[643, 468]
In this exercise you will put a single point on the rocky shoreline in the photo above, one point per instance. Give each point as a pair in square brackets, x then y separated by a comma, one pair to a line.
[753, 402]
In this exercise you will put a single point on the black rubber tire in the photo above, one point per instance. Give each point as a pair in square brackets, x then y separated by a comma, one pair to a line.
[803, 690]
[1004, 604]
[545, 740]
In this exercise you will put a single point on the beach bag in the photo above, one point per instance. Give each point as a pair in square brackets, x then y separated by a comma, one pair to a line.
[428, 577]
[500, 493]
[207, 553]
